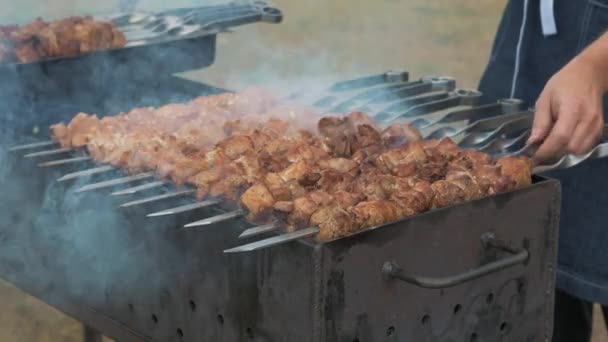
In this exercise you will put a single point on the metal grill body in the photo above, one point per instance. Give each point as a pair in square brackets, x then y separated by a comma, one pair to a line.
[138, 278]
[176, 284]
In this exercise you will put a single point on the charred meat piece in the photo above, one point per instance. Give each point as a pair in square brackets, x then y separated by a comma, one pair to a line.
[398, 134]
[467, 183]
[375, 213]
[518, 169]
[304, 207]
[417, 199]
[61, 38]
[333, 222]
[398, 159]
[258, 201]
[447, 193]
[344, 136]
[491, 180]
[441, 150]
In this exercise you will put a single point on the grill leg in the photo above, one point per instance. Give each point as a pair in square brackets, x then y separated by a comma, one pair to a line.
[90, 335]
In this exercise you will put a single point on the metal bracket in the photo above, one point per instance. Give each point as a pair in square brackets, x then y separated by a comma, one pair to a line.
[392, 270]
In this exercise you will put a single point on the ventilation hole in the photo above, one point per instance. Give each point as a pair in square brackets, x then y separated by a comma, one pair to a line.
[356, 340]
[180, 333]
[490, 298]
[521, 287]
[504, 327]
[249, 333]
[131, 307]
[457, 308]
[473, 337]
[220, 319]
[390, 331]
[192, 305]
[154, 319]
[425, 319]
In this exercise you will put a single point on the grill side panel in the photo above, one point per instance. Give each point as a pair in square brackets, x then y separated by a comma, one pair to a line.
[515, 304]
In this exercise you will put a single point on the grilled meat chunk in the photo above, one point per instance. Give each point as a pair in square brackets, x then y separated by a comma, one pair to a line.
[61, 38]
[375, 213]
[257, 200]
[333, 222]
[518, 169]
[239, 147]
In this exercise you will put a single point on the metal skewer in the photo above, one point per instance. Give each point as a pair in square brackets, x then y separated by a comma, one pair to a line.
[215, 219]
[84, 173]
[273, 241]
[255, 231]
[157, 198]
[64, 161]
[32, 145]
[184, 208]
[48, 152]
[114, 182]
[136, 189]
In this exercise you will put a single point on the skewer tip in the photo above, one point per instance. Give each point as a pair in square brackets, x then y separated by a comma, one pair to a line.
[236, 250]
[83, 189]
[32, 145]
[136, 189]
[159, 213]
[185, 208]
[255, 231]
[216, 219]
[197, 224]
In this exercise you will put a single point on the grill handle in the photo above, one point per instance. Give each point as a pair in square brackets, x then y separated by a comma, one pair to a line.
[392, 270]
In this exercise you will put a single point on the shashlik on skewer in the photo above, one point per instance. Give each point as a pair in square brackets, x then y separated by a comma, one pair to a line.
[60, 38]
[346, 176]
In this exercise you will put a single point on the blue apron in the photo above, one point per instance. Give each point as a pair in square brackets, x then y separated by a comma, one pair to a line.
[543, 50]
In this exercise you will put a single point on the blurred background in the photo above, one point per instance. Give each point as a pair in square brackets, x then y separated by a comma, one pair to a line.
[319, 41]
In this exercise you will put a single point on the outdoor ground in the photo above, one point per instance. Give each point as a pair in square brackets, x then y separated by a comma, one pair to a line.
[318, 40]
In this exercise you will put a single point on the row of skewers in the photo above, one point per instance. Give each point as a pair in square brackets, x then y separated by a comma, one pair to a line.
[286, 167]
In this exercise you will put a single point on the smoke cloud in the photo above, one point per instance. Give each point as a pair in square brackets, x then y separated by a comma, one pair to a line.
[53, 237]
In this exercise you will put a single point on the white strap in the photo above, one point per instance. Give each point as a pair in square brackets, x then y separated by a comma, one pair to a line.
[547, 18]
[522, 28]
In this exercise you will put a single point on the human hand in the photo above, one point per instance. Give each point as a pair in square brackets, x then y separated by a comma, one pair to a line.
[569, 114]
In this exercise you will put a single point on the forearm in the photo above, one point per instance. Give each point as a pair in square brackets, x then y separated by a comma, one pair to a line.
[596, 56]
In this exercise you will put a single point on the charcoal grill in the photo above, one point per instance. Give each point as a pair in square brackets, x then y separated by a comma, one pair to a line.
[479, 271]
